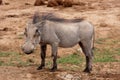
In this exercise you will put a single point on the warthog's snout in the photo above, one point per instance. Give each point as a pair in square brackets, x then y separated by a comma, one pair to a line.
[27, 52]
[28, 48]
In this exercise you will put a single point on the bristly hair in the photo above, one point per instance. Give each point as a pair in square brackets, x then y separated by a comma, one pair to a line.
[36, 17]
[51, 17]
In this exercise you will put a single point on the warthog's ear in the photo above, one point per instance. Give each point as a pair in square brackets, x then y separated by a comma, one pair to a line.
[39, 24]
[29, 23]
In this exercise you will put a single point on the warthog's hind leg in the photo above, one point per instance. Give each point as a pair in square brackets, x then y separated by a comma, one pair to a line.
[86, 47]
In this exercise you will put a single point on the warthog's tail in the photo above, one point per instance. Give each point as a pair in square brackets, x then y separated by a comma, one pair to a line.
[93, 41]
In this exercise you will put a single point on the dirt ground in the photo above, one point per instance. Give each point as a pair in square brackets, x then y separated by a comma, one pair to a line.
[103, 14]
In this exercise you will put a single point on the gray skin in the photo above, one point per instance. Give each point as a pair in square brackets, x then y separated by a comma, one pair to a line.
[59, 34]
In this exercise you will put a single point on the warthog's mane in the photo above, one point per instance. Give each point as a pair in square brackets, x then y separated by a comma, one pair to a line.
[52, 17]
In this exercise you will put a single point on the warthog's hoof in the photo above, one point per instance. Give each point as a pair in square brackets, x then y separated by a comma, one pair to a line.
[40, 67]
[87, 70]
[53, 69]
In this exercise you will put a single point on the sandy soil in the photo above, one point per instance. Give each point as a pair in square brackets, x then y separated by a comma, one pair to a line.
[103, 14]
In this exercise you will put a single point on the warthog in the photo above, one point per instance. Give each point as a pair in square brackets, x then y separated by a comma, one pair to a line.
[58, 32]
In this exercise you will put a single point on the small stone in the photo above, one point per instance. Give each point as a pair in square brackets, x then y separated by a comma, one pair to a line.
[68, 77]
[29, 75]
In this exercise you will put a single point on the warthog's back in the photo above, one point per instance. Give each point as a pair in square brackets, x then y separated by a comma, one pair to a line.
[69, 34]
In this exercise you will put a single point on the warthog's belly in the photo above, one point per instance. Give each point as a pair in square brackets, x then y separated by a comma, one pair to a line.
[69, 42]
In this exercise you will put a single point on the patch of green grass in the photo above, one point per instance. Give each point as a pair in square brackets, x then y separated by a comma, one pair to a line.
[104, 55]
[4, 54]
[23, 63]
[117, 51]
[7, 54]
[108, 51]
[6, 63]
[100, 40]
[13, 59]
[71, 59]
[107, 41]
[19, 62]
[48, 64]
[100, 55]
[19, 37]
[1, 63]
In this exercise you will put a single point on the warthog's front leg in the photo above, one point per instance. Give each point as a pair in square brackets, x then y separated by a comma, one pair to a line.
[54, 53]
[43, 55]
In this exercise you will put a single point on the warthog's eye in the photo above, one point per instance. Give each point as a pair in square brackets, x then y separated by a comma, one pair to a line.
[36, 33]
[37, 30]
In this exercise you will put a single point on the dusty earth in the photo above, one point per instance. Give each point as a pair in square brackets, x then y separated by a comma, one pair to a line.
[103, 14]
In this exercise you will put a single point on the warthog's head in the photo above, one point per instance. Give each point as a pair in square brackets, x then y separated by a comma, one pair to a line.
[32, 35]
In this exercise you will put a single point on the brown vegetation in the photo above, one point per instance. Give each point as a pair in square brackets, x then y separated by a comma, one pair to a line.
[67, 3]
[60, 2]
[64, 3]
[0, 1]
[39, 2]
[52, 3]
